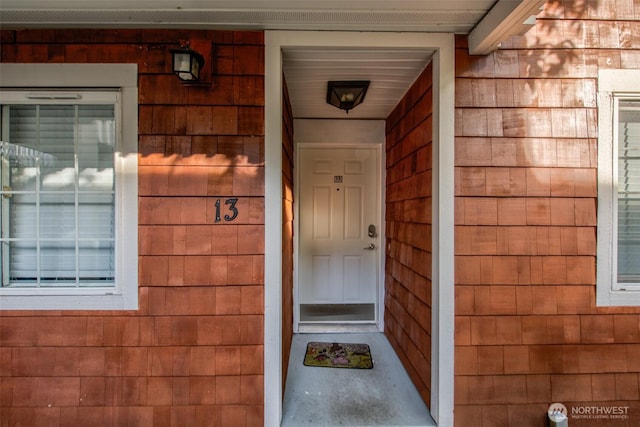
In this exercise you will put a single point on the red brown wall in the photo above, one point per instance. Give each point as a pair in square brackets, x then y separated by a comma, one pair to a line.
[408, 231]
[193, 352]
[528, 332]
[287, 232]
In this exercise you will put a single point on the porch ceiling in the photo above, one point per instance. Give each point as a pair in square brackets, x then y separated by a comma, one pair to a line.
[487, 22]
[391, 73]
[458, 16]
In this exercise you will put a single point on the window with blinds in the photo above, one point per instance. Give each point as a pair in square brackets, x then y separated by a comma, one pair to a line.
[58, 190]
[628, 206]
[618, 231]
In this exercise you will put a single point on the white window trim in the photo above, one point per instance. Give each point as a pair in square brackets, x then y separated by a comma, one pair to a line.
[611, 83]
[122, 77]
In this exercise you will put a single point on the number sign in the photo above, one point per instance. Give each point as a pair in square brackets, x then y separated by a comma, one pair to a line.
[230, 206]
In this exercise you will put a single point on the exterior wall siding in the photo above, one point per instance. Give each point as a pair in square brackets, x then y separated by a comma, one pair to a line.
[193, 352]
[528, 332]
[287, 232]
[408, 231]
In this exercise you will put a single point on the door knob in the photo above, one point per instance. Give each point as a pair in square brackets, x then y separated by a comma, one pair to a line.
[371, 247]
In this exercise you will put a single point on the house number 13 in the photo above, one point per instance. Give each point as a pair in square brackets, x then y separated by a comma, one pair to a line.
[232, 208]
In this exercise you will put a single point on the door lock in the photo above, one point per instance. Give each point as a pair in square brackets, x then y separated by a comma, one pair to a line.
[371, 247]
[371, 231]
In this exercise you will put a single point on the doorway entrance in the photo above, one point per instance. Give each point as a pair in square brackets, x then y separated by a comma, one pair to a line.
[339, 215]
[442, 296]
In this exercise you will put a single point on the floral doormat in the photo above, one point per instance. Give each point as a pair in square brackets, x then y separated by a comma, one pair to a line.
[336, 355]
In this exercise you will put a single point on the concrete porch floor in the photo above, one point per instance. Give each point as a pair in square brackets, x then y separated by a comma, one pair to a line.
[382, 396]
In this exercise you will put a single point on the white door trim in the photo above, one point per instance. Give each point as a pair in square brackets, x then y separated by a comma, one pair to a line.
[380, 200]
[443, 201]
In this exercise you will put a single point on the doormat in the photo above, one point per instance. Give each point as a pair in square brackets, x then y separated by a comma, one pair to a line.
[337, 355]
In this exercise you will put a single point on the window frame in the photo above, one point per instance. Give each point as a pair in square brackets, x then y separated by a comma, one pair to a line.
[91, 77]
[613, 85]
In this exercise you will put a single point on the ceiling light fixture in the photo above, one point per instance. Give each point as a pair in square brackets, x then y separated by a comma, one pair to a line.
[346, 95]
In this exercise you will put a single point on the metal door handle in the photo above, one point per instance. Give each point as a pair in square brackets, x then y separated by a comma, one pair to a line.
[371, 247]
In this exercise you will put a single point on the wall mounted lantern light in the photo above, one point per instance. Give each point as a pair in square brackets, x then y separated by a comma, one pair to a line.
[346, 95]
[187, 63]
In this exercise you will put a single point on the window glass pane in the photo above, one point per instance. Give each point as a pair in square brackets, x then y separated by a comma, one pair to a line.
[19, 150]
[96, 216]
[22, 217]
[629, 192]
[57, 262]
[55, 139]
[96, 262]
[57, 216]
[96, 144]
[58, 200]
[22, 261]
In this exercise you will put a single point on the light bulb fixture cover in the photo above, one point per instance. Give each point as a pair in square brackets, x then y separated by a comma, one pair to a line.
[346, 95]
[187, 64]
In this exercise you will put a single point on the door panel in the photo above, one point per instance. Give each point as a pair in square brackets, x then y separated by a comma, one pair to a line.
[321, 274]
[339, 200]
[321, 212]
[353, 212]
[352, 270]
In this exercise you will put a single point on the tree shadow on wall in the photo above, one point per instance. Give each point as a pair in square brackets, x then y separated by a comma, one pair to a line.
[559, 32]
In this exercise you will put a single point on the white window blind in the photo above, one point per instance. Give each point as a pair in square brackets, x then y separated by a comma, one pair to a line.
[628, 191]
[58, 192]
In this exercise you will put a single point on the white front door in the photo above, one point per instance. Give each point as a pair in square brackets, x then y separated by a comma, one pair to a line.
[339, 198]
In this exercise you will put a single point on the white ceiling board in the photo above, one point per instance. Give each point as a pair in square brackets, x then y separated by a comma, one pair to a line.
[458, 16]
[248, 4]
[391, 72]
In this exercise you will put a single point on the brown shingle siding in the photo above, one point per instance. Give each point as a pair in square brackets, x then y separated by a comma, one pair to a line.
[192, 353]
[526, 188]
[408, 231]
